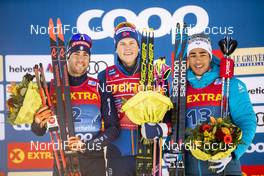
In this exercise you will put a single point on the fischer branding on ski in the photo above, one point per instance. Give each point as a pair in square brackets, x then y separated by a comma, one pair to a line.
[144, 159]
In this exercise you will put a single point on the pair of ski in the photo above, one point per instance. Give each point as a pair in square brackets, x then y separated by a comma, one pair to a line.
[67, 162]
[178, 98]
[146, 160]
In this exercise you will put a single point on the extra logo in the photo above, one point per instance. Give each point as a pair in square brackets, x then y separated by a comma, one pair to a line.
[23, 156]
[16, 156]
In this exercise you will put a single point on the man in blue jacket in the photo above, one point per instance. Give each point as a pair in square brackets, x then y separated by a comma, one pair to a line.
[203, 79]
[126, 72]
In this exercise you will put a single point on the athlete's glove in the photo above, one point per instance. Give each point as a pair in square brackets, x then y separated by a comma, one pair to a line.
[219, 165]
[42, 116]
[154, 130]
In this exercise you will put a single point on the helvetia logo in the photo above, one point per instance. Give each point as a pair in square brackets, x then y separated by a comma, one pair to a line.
[258, 90]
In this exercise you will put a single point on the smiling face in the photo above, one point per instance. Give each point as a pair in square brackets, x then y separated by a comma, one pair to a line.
[78, 63]
[127, 50]
[199, 61]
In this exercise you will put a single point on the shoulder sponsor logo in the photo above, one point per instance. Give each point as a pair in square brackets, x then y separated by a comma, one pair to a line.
[240, 88]
[2, 103]
[23, 156]
[218, 82]
[249, 61]
[1, 68]
[255, 87]
[2, 127]
[18, 65]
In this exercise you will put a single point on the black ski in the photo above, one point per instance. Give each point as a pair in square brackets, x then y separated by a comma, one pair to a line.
[178, 98]
[144, 159]
[63, 101]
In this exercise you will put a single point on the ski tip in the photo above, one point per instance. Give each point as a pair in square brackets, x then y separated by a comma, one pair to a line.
[51, 30]
[50, 21]
[60, 31]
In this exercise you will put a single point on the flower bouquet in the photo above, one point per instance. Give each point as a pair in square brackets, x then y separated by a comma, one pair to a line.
[24, 101]
[214, 140]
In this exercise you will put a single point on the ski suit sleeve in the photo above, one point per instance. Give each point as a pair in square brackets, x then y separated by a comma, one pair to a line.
[111, 122]
[242, 114]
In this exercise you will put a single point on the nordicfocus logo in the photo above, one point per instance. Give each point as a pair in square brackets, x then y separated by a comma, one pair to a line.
[258, 90]
[17, 156]
[167, 22]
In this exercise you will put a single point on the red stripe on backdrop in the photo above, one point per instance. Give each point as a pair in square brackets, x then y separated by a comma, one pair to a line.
[256, 170]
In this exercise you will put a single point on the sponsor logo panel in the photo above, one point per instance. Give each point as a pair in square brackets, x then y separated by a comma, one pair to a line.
[2, 101]
[255, 86]
[253, 170]
[2, 127]
[26, 156]
[29, 173]
[249, 61]
[18, 65]
[1, 69]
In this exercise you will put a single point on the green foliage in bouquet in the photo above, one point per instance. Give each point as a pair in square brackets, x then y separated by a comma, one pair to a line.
[23, 102]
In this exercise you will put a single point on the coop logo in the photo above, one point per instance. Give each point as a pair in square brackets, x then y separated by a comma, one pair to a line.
[167, 21]
[21, 156]
[258, 147]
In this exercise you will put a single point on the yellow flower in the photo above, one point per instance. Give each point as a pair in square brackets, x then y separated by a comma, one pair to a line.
[206, 133]
[219, 120]
[212, 120]
[225, 130]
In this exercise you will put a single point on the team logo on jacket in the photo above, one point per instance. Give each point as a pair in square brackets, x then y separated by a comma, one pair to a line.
[218, 82]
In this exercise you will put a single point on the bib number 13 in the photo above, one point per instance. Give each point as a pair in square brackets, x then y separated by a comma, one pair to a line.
[198, 116]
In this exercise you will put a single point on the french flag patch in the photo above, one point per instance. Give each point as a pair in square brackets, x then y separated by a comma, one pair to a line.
[91, 83]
